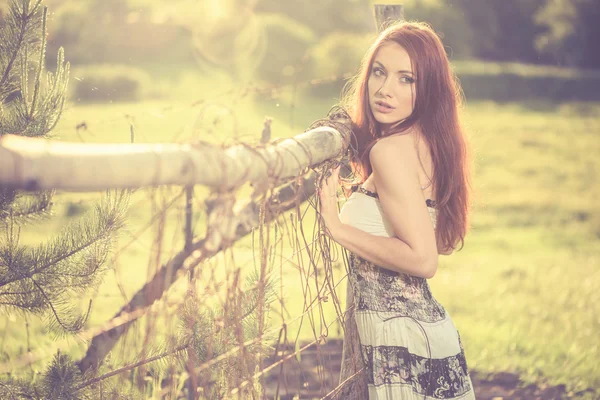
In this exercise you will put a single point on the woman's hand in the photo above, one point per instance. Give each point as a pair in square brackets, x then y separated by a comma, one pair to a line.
[328, 200]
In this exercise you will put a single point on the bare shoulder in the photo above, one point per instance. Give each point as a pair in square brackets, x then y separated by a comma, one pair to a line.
[394, 150]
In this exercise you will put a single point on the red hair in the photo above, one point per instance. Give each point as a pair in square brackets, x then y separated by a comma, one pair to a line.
[435, 114]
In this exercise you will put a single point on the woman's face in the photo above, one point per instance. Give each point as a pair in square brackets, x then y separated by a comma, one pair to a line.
[391, 85]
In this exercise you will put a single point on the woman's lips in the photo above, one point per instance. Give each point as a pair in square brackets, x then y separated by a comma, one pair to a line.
[382, 108]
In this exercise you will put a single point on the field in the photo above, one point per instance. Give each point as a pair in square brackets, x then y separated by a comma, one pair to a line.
[524, 292]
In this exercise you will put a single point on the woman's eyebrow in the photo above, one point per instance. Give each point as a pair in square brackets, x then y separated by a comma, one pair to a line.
[402, 71]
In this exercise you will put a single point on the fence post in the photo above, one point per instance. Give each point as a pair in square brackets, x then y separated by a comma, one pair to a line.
[385, 14]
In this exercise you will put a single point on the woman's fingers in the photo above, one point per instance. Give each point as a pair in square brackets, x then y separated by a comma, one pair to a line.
[330, 184]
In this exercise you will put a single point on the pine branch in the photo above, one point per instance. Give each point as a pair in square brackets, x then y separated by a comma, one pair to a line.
[58, 87]
[42, 278]
[36, 89]
[73, 326]
[25, 75]
[132, 366]
[7, 197]
[228, 327]
[73, 241]
[25, 210]
[61, 379]
[20, 41]
[20, 23]
[35, 118]
[15, 391]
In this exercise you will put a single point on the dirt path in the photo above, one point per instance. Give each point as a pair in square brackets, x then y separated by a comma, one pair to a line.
[317, 374]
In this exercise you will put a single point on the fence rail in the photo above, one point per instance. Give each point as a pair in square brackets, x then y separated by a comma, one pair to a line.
[34, 164]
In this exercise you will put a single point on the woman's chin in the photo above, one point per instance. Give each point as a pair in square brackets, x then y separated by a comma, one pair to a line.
[386, 121]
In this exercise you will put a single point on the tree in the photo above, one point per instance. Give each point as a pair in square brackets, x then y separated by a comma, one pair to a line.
[503, 30]
[571, 32]
[40, 280]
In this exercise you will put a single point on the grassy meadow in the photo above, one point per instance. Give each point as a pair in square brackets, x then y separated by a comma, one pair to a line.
[524, 292]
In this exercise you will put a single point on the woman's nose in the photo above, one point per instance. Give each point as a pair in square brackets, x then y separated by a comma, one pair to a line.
[384, 89]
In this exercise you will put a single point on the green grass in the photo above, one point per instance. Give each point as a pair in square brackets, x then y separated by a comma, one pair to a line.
[524, 292]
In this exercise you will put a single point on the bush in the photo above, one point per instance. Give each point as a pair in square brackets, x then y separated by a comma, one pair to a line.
[521, 82]
[324, 17]
[571, 32]
[285, 56]
[115, 32]
[448, 22]
[105, 82]
[503, 30]
[339, 53]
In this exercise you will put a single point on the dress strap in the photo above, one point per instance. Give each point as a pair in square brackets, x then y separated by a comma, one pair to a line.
[359, 188]
[431, 203]
[364, 191]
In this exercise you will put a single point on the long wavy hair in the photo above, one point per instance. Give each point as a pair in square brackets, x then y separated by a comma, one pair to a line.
[435, 115]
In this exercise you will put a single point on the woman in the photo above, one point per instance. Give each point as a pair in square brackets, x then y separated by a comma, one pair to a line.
[410, 201]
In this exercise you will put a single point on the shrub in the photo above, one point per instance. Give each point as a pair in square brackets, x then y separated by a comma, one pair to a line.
[522, 82]
[339, 53]
[286, 50]
[105, 82]
[571, 32]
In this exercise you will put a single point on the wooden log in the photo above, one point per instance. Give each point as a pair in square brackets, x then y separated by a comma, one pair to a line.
[34, 164]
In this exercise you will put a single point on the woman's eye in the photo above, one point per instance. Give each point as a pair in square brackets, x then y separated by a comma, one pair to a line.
[407, 79]
[377, 72]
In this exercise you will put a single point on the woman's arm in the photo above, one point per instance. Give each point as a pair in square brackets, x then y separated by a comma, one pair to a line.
[396, 176]
[413, 250]
[387, 252]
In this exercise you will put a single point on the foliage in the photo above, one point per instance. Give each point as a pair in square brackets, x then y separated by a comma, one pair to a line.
[116, 32]
[111, 83]
[287, 43]
[501, 30]
[323, 17]
[28, 108]
[42, 280]
[135, 31]
[216, 332]
[338, 52]
[449, 22]
[62, 379]
[571, 32]
[235, 43]
[503, 82]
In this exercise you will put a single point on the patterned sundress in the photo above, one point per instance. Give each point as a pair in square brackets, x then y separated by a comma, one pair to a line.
[399, 342]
